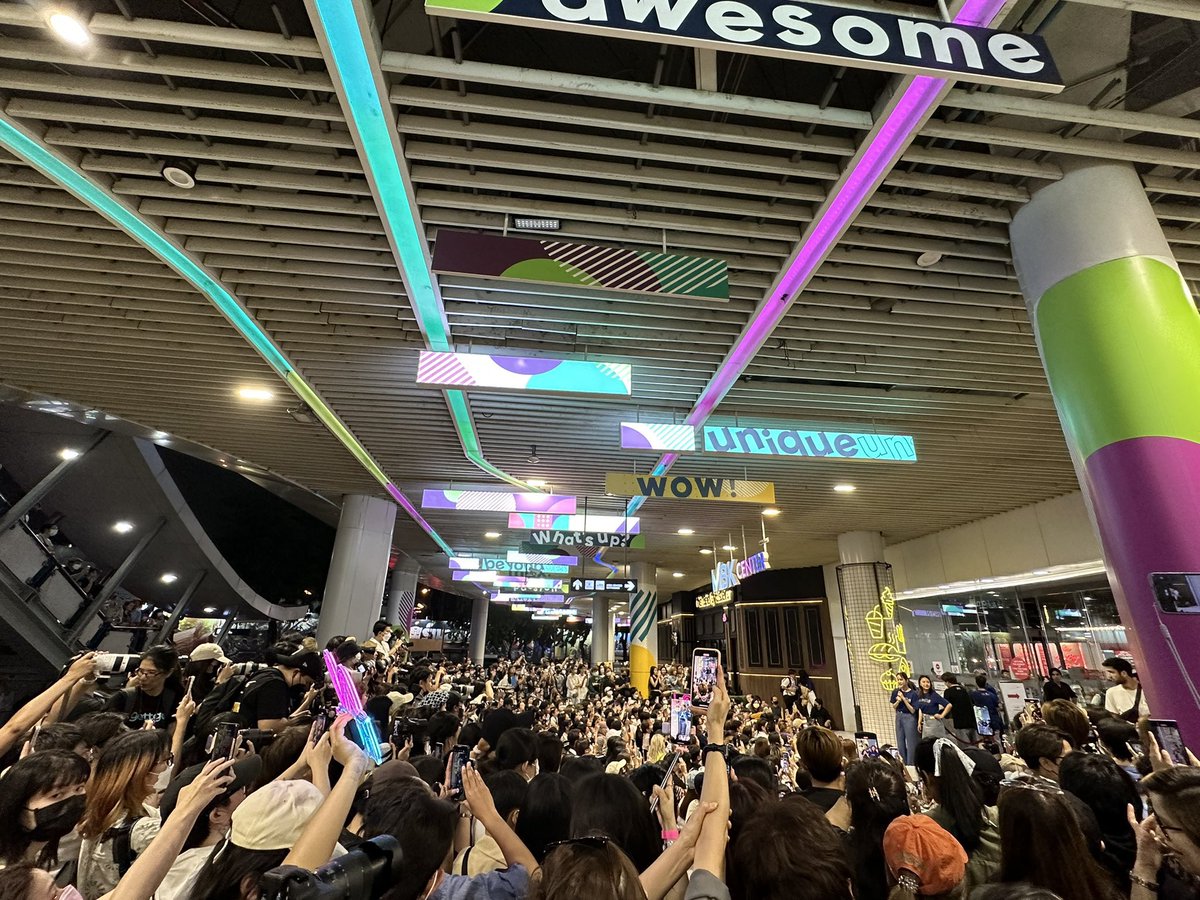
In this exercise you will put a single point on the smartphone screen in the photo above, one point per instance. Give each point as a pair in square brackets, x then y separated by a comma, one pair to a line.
[223, 740]
[320, 726]
[704, 676]
[868, 744]
[187, 688]
[681, 718]
[1177, 592]
[459, 757]
[1166, 732]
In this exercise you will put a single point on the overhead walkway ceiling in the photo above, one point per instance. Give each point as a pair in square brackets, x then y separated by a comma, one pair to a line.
[615, 138]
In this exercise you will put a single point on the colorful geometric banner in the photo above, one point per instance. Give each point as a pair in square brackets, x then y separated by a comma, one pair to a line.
[497, 501]
[579, 265]
[585, 543]
[526, 597]
[524, 373]
[657, 436]
[543, 559]
[788, 442]
[494, 564]
[679, 487]
[585, 522]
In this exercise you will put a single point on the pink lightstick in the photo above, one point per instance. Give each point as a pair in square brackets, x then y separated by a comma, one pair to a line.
[350, 702]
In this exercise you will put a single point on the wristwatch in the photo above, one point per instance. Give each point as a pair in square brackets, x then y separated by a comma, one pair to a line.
[723, 749]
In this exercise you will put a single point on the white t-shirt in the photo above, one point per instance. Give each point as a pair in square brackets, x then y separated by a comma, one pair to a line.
[177, 885]
[98, 870]
[1118, 700]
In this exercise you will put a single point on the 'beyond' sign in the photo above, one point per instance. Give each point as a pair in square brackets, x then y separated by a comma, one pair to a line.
[790, 442]
[805, 31]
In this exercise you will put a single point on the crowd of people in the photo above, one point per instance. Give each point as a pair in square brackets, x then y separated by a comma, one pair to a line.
[554, 780]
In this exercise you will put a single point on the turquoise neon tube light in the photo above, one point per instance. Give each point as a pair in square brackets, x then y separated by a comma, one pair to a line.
[58, 170]
[352, 67]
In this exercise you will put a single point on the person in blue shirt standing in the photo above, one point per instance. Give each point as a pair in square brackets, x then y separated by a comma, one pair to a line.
[932, 708]
[904, 701]
[985, 695]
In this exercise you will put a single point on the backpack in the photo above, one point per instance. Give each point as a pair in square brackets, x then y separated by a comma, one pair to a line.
[222, 701]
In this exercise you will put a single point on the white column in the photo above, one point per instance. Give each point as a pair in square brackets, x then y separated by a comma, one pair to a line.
[602, 631]
[643, 626]
[841, 647]
[876, 647]
[402, 594]
[479, 620]
[359, 567]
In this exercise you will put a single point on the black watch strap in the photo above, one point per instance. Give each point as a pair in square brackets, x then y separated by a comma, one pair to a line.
[715, 748]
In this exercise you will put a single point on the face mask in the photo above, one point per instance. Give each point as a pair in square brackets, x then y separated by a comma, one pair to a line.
[70, 892]
[57, 819]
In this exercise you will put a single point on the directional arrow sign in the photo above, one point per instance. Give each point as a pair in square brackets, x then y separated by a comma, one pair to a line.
[590, 585]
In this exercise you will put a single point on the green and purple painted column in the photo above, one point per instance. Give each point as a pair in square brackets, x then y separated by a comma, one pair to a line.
[1119, 335]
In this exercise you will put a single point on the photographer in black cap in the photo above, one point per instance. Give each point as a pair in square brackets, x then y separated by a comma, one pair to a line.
[265, 702]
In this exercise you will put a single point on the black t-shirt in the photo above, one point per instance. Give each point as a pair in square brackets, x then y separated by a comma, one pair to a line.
[264, 697]
[825, 798]
[963, 708]
[139, 707]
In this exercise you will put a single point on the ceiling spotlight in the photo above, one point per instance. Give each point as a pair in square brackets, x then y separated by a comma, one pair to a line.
[770, 512]
[67, 453]
[491, 535]
[69, 28]
[424, 591]
[168, 578]
[707, 551]
[845, 488]
[536, 482]
[257, 394]
[210, 609]
[929, 258]
[307, 592]
[159, 435]
[676, 574]
[729, 547]
[304, 415]
[123, 527]
[533, 459]
[685, 531]
[179, 173]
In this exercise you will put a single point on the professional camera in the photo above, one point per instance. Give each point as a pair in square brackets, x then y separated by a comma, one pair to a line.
[248, 668]
[364, 873]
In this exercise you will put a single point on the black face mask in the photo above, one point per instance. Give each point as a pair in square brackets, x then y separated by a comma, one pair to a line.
[57, 819]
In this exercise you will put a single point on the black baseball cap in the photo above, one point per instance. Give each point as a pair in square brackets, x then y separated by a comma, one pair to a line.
[245, 772]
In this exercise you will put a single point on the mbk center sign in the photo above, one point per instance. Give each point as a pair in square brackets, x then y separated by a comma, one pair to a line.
[803, 31]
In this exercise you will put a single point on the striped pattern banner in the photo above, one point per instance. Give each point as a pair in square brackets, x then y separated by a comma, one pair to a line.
[408, 602]
[643, 615]
[657, 436]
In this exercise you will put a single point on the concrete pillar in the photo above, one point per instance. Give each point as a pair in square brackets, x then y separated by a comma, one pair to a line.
[358, 569]
[402, 594]
[602, 631]
[479, 621]
[875, 644]
[643, 626]
[1118, 334]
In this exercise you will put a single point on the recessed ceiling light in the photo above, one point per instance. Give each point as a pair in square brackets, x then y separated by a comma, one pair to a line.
[123, 527]
[676, 574]
[845, 488]
[258, 394]
[168, 577]
[210, 609]
[491, 535]
[707, 551]
[770, 512]
[686, 531]
[536, 482]
[929, 258]
[159, 435]
[67, 453]
[180, 174]
[729, 547]
[307, 592]
[69, 28]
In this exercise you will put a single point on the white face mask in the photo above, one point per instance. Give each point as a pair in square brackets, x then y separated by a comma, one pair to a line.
[160, 785]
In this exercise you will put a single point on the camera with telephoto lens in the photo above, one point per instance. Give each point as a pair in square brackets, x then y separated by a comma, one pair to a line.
[248, 668]
[365, 873]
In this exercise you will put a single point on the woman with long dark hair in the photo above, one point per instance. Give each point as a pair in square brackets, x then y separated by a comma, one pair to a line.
[610, 805]
[154, 691]
[1041, 842]
[41, 802]
[876, 794]
[959, 807]
[546, 813]
[932, 709]
[117, 824]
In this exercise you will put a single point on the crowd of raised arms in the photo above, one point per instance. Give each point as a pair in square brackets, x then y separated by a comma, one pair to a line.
[554, 780]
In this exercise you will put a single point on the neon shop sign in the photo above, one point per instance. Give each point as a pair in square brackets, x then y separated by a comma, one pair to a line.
[728, 574]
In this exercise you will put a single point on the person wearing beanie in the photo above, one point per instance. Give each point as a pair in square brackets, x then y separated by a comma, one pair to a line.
[923, 859]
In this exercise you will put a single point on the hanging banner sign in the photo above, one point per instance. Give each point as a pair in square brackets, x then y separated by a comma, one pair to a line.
[790, 442]
[579, 265]
[811, 32]
[587, 585]
[496, 564]
[540, 540]
[611, 524]
[658, 436]
[523, 373]
[727, 574]
[542, 559]
[679, 487]
[497, 501]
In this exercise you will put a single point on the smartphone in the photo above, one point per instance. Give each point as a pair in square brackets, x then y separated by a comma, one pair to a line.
[868, 744]
[187, 688]
[459, 757]
[895, 752]
[1166, 732]
[681, 718]
[320, 725]
[670, 762]
[223, 741]
[704, 675]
